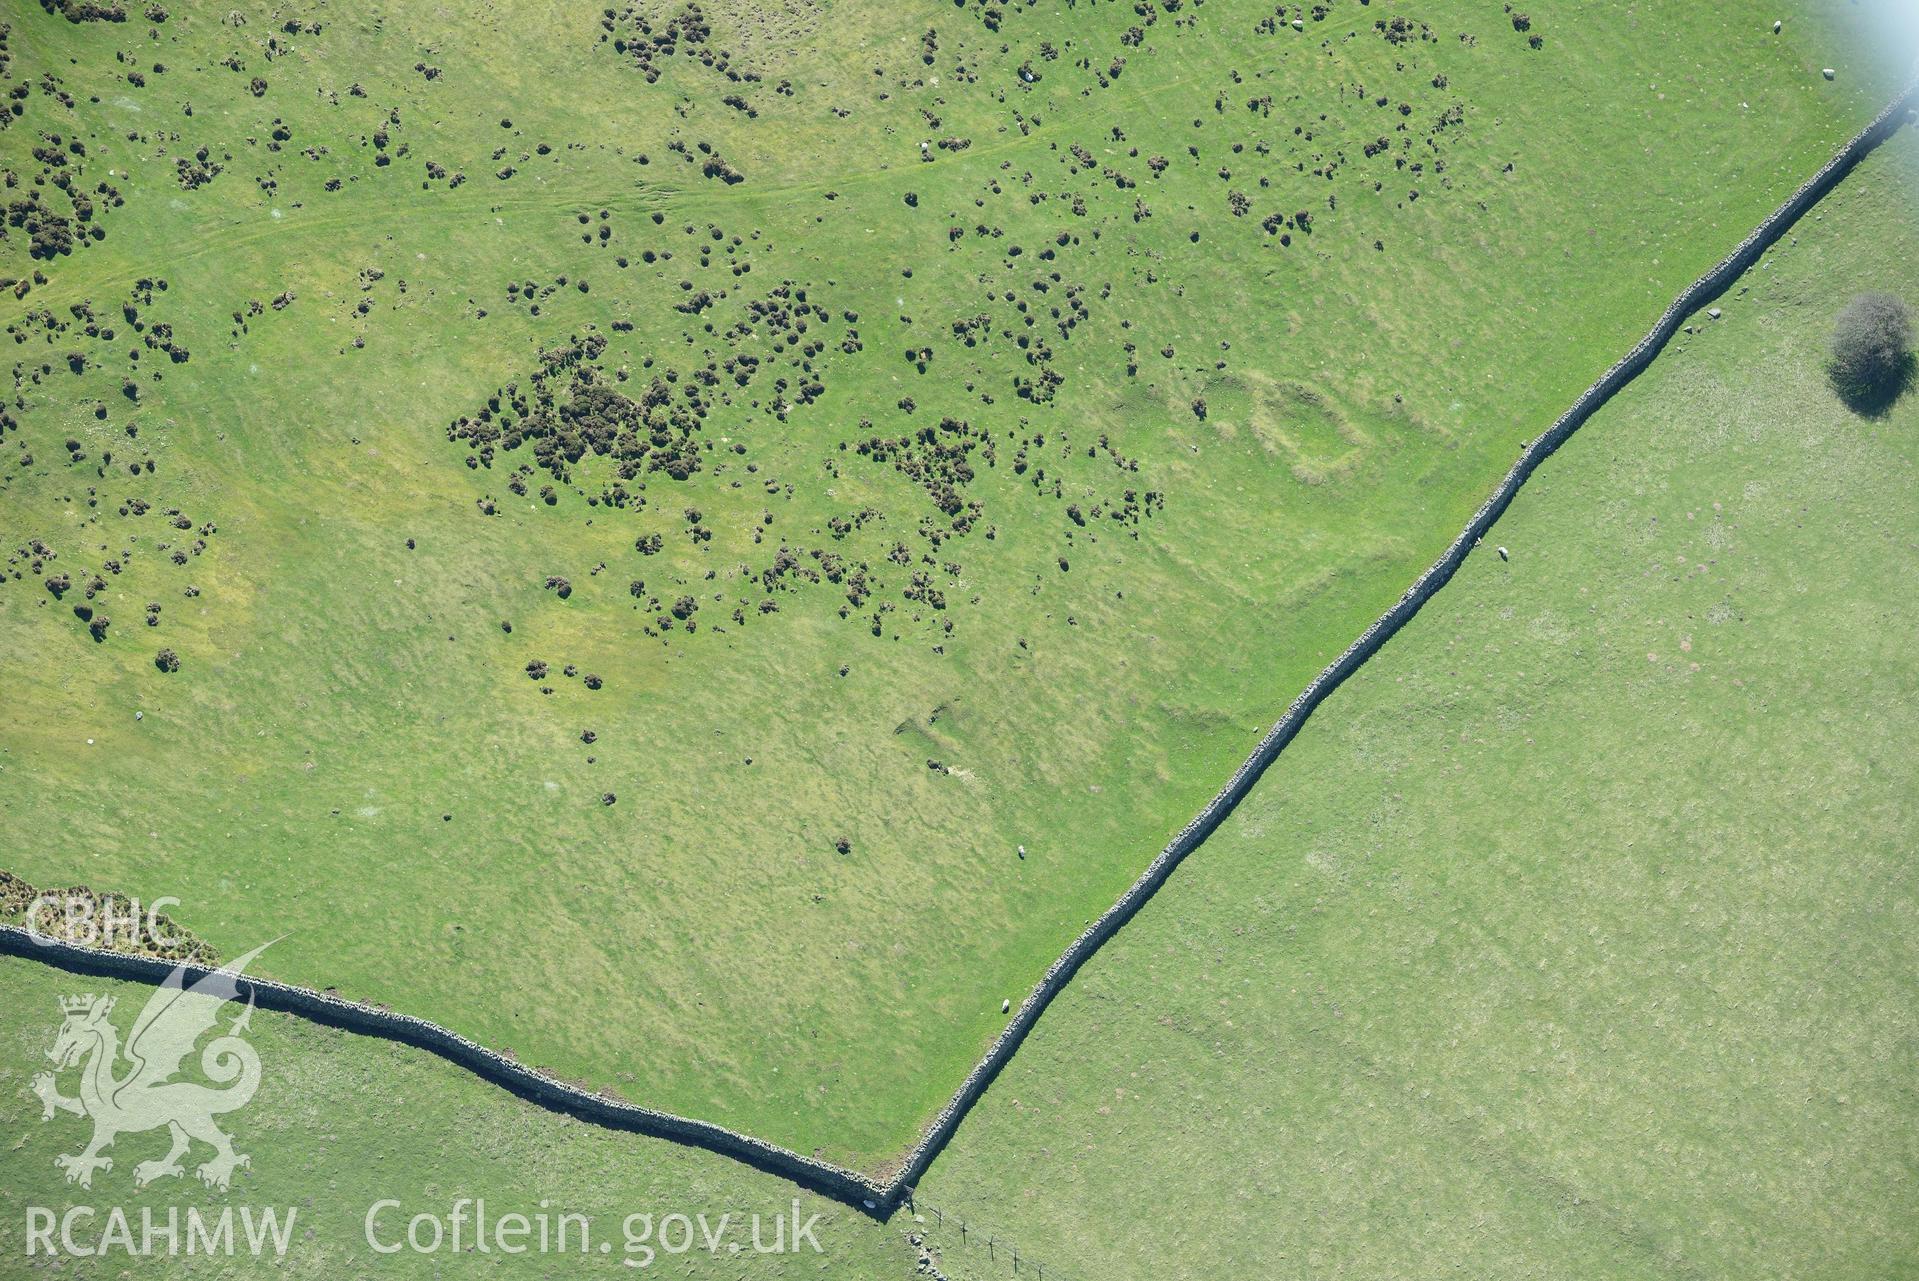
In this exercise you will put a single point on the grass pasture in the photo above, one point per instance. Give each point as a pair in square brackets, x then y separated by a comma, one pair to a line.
[342, 1122]
[1192, 454]
[1574, 935]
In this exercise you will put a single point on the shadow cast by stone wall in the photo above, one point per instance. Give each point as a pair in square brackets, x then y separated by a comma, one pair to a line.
[880, 1198]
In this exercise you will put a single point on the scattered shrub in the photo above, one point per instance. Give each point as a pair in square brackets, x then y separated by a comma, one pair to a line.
[1872, 360]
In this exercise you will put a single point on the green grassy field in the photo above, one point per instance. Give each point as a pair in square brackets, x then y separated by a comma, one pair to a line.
[342, 1123]
[1574, 936]
[1057, 623]
[1543, 952]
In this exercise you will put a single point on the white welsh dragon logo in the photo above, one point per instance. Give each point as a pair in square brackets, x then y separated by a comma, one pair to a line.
[145, 1095]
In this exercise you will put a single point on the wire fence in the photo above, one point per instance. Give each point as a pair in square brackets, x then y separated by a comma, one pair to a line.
[960, 1240]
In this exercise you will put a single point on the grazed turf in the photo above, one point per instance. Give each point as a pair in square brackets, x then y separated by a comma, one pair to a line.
[343, 1122]
[1574, 936]
[351, 751]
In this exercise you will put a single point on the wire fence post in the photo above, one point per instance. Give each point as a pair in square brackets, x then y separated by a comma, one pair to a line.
[992, 1243]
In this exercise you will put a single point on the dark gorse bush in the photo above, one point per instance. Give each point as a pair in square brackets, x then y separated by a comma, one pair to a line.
[1872, 350]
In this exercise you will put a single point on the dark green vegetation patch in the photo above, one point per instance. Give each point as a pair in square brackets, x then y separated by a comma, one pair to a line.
[1573, 936]
[616, 540]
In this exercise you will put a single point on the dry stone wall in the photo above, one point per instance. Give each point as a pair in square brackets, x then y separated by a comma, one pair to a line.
[527, 1082]
[1699, 294]
[880, 1197]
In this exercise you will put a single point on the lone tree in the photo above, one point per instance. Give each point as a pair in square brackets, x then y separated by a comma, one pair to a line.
[1872, 359]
